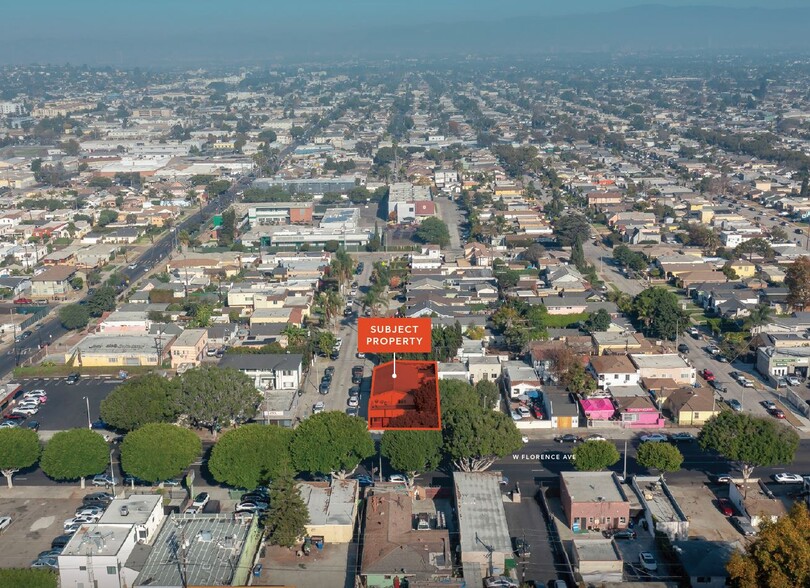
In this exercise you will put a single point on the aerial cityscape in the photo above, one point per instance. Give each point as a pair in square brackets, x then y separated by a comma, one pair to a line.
[466, 315]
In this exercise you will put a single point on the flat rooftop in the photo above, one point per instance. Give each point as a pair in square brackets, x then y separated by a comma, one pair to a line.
[662, 360]
[596, 550]
[480, 512]
[659, 502]
[213, 547]
[592, 487]
[330, 505]
[139, 508]
[97, 539]
[118, 344]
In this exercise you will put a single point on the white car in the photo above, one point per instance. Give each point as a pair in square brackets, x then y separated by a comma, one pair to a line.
[354, 402]
[89, 511]
[648, 561]
[35, 394]
[83, 520]
[595, 437]
[4, 523]
[318, 407]
[398, 478]
[25, 410]
[525, 438]
[653, 438]
[793, 380]
[785, 478]
[524, 412]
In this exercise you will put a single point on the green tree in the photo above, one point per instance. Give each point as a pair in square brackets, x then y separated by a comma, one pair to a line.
[779, 235]
[227, 231]
[412, 452]
[102, 300]
[578, 255]
[659, 456]
[659, 311]
[595, 456]
[797, 280]
[488, 393]
[599, 321]
[75, 453]
[286, 521]
[748, 441]
[77, 283]
[251, 455]
[19, 449]
[571, 228]
[74, 316]
[756, 246]
[150, 398]
[778, 556]
[106, 216]
[474, 436]
[159, 451]
[331, 442]
[325, 342]
[213, 397]
[267, 136]
[760, 315]
[433, 230]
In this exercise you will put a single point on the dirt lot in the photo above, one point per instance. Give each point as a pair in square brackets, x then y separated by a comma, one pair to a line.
[36, 521]
[699, 505]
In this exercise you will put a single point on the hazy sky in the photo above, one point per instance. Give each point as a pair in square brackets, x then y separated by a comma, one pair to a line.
[138, 31]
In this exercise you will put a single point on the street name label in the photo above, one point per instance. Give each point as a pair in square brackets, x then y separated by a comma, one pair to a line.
[394, 335]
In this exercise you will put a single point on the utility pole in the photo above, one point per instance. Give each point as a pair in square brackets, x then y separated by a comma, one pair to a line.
[624, 471]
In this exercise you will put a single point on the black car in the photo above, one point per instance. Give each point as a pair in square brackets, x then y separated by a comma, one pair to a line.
[358, 370]
[567, 438]
[326, 379]
[323, 389]
[521, 548]
[329, 371]
[334, 355]
[683, 348]
[73, 378]
[27, 334]
[359, 269]
[33, 425]
[357, 379]
[354, 391]
[98, 497]
[61, 541]
[624, 534]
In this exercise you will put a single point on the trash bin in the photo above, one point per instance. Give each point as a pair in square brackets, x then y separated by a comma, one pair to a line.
[257, 570]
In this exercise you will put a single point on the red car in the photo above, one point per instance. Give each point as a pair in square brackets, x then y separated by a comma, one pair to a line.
[23, 301]
[724, 505]
[776, 413]
[708, 375]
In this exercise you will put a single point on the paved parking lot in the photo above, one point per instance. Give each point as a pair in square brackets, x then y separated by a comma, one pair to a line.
[66, 407]
[36, 522]
[700, 506]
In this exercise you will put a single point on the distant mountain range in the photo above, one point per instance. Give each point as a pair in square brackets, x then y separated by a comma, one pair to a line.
[647, 28]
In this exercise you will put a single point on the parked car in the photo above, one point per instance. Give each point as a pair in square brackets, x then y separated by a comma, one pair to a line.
[678, 437]
[624, 534]
[595, 437]
[103, 480]
[318, 408]
[653, 438]
[329, 371]
[694, 332]
[334, 356]
[61, 541]
[735, 375]
[35, 394]
[82, 520]
[46, 562]
[524, 411]
[398, 478]
[323, 388]
[567, 438]
[744, 526]
[735, 404]
[793, 380]
[98, 497]
[768, 405]
[516, 416]
[201, 500]
[647, 561]
[707, 375]
[363, 480]
[353, 401]
[683, 348]
[248, 506]
[777, 414]
[353, 411]
[719, 386]
[354, 391]
[5, 522]
[73, 378]
[23, 301]
[499, 582]
[724, 506]
[785, 478]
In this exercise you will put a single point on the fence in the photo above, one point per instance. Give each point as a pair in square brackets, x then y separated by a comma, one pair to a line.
[798, 402]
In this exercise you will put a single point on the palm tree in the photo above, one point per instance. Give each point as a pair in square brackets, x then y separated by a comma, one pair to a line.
[330, 303]
[373, 299]
[760, 315]
[295, 335]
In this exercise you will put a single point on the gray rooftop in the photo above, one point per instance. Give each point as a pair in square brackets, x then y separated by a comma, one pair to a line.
[213, 547]
[593, 487]
[661, 360]
[596, 550]
[480, 512]
[97, 539]
[139, 506]
[262, 361]
[330, 505]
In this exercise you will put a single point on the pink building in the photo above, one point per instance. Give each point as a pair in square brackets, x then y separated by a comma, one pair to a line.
[598, 409]
[639, 412]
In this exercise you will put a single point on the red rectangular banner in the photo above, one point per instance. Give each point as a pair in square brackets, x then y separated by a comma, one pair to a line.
[394, 335]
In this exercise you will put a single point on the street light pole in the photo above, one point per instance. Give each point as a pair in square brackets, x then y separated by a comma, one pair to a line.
[112, 471]
[87, 401]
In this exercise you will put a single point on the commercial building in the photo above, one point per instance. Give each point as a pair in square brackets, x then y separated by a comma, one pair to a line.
[268, 371]
[403, 200]
[594, 500]
[332, 509]
[116, 351]
[483, 532]
[308, 185]
[280, 213]
[189, 347]
[201, 550]
[665, 365]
